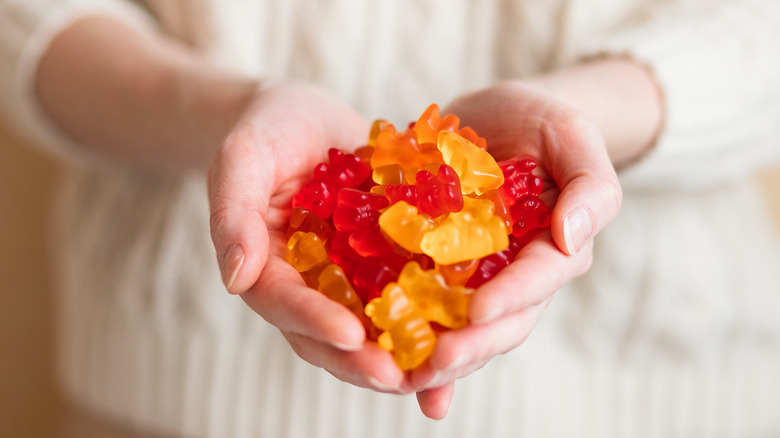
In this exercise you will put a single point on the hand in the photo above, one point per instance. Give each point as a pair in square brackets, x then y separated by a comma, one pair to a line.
[269, 154]
[521, 119]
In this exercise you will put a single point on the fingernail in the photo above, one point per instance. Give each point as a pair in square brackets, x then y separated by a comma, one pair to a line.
[231, 264]
[382, 386]
[459, 361]
[490, 316]
[577, 230]
[346, 347]
[432, 383]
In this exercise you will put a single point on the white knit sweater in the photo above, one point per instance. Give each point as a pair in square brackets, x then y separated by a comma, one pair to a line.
[673, 333]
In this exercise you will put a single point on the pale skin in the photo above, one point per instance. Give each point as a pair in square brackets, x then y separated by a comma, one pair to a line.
[137, 97]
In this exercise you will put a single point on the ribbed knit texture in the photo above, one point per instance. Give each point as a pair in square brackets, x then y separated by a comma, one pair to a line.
[673, 333]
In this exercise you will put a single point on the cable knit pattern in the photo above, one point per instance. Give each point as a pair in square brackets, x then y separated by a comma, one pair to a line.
[673, 333]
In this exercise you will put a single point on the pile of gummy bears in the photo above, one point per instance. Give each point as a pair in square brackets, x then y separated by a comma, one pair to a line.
[404, 229]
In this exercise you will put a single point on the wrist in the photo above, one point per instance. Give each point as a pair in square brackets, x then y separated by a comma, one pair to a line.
[619, 95]
[209, 104]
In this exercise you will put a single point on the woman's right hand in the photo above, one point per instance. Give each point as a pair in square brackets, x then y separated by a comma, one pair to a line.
[284, 132]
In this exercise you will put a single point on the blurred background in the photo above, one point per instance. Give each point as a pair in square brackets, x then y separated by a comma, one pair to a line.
[30, 406]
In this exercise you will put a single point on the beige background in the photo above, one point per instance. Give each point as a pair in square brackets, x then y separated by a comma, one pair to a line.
[29, 404]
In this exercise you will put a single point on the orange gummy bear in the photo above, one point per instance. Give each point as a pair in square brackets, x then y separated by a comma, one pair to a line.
[333, 283]
[403, 149]
[306, 251]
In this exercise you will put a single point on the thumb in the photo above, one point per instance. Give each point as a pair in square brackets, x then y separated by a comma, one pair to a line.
[239, 194]
[590, 194]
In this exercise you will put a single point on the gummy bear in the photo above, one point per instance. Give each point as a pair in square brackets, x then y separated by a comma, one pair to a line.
[356, 209]
[406, 332]
[342, 254]
[376, 127]
[440, 193]
[405, 226]
[501, 209]
[402, 148]
[316, 196]
[364, 153]
[437, 301]
[429, 124]
[334, 284]
[401, 192]
[388, 174]
[302, 219]
[458, 273]
[518, 179]
[307, 254]
[370, 242]
[529, 213]
[477, 169]
[370, 276]
[306, 251]
[471, 233]
[491, 265]
[342, 170]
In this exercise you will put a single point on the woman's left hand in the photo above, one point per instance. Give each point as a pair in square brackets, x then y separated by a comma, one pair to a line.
[584, 195]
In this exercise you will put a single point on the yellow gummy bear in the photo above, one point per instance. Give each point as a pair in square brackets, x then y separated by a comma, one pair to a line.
[477, 169]
[471, 233]
[433, 297]
[402, 223]
[406, 332]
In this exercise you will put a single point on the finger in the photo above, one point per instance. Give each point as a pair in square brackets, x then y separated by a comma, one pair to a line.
[539, 270]
[435, 402]
[590, 196]
[281, 298]
[370, 367]
[239, 194]
[284, 134]
[458, 352]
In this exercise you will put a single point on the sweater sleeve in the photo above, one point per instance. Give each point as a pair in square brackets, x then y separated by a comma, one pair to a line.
[26, 29]
[718, 65]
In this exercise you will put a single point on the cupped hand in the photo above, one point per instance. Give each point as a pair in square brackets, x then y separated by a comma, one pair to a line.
[584, 195]
[269, 154]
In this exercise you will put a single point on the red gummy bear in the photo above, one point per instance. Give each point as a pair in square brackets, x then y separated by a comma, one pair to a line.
[440, 193]
[491, 265]
[529, 213]
[401, 192]
[370, 242]
[342, 170]
[356, 209]
[518, 179]
[371, 276]
[318, 197]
